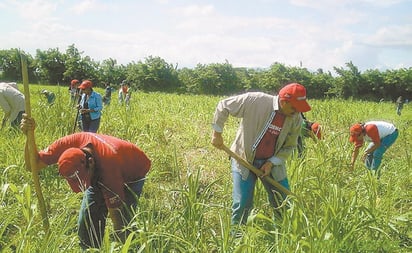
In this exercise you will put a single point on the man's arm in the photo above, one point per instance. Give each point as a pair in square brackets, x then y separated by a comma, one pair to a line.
[354, 156]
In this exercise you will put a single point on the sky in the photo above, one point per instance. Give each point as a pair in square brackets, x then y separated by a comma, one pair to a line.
[319, 34]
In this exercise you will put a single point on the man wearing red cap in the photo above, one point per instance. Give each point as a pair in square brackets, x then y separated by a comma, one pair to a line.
[380, 135]
[266, 137]
[109, 171]
[74, 91]
[90, 106]
[309, 129]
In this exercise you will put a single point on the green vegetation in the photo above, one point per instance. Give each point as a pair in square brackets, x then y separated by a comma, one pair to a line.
[155, 74]
[186, 202]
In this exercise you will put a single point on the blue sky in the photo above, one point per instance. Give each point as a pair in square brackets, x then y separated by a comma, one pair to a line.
[373, 34]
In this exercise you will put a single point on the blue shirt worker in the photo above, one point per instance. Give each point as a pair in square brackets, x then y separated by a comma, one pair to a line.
[91, 106]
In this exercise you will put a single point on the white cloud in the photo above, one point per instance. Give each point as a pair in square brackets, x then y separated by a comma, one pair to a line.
[35, 9]
[86, 6]
[391, 36]
[204, 33]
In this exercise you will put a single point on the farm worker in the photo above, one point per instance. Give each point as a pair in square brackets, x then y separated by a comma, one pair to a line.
[399, 105]
[128, 96]
[266, 137]
[12, 102]
[12, 84]
[109, 171]
[49, 96]
[123, 91]
[107, 95]
[380, 135]
[90, 106]
[309, 129]
[74, 90]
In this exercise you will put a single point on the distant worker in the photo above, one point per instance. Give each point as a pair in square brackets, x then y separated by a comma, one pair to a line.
[13, 104]
[107, 95]
[128, 96]
[74, 91]
[91, 106]
[50, 96]
[399, 105]
[123, 91]
[380, 134]
[309, 129]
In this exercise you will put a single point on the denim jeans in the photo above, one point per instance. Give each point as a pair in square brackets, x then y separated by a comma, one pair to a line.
[373, 161]
[90, 125]
[243, 191]
[93, 213]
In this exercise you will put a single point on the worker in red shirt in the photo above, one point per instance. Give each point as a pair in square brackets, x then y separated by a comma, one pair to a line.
[380, 134]
[109, 171]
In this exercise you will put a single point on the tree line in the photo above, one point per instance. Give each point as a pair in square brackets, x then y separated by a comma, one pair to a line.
[155, 74]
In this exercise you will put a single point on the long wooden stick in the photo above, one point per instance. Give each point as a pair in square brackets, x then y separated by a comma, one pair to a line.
[32, 146]
[258, 172]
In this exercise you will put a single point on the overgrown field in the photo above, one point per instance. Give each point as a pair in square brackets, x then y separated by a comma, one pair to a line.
[187, 196]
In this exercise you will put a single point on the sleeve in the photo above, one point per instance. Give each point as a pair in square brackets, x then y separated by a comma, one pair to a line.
[98, 106]
[373, 133]
[51, 154]
[234, 106]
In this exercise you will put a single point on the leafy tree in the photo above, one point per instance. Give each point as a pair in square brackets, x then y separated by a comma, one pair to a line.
[50, 66]
[215, 79]
[319, 84]
[348, 81]
[155, 74]
[374, 85]
[398, 83]
[81, 68]
[111, 72]
[10, 65]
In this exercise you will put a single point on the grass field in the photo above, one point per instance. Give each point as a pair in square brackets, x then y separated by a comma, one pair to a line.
[186, 202]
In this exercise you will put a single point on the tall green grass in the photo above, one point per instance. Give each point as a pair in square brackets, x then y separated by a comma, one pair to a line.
[185, 206]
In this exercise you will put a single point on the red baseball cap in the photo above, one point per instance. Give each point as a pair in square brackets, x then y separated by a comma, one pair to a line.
[72, 166]
[86, 84]
[355, 131]
[74, 82]
[295, 93]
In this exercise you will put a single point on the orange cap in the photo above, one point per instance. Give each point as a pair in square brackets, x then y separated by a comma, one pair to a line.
[86, 84]
[72, 166]
[295, 94]
[74, 82]
[355, 131]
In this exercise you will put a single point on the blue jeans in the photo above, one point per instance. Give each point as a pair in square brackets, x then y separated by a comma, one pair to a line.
[90, 125]
[243, 191]
[373, 161]
[93, 213]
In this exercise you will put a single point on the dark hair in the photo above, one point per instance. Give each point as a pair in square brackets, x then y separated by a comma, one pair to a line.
[88, 155]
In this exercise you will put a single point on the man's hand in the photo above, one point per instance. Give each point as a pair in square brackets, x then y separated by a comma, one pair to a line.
[27, 124]
[217, 140]
[266, 169]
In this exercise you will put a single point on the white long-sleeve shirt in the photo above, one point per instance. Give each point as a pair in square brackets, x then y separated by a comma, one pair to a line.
[11, 101]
